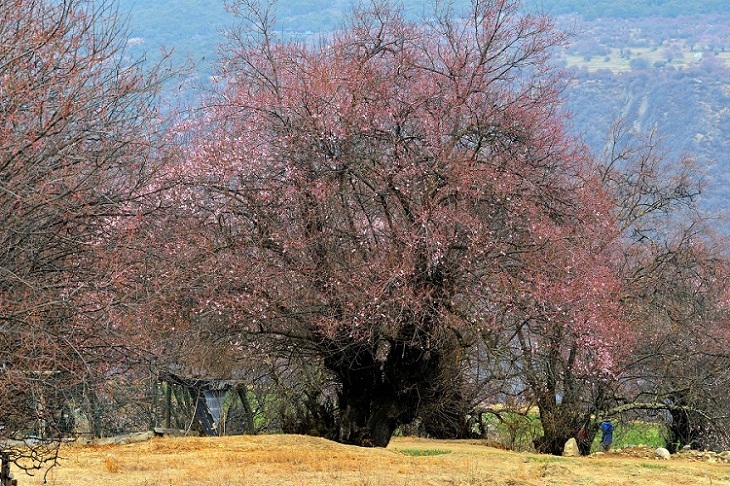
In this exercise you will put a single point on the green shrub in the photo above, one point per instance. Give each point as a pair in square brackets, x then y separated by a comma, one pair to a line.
[423, 452]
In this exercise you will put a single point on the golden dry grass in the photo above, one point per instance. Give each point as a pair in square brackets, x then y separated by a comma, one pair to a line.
[297, 460]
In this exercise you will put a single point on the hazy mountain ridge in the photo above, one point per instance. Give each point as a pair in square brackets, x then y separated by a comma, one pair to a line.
[657, 63]
[631, 8]
[669, 75]
[690, 111]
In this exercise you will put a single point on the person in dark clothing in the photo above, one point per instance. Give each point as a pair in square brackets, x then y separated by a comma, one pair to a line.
[607, 438]
[584, 444]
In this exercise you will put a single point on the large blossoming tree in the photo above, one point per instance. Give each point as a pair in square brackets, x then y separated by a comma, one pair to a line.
[388, 197]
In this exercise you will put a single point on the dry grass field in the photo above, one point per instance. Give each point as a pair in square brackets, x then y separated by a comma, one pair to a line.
[297, 460]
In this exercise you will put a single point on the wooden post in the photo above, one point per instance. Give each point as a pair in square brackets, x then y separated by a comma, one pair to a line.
[168, 403]
[154, 403]
[247, 412]
[6, 477]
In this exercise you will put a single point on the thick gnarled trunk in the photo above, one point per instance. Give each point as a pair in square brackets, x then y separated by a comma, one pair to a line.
[369, 417]
[558, 426]
[561, 422]
[381, 391]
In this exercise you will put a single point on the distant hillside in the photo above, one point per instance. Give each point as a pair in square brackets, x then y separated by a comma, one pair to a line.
[670, 74]
[690, 109]
[593, 9]
[191, 20]
[193, 27]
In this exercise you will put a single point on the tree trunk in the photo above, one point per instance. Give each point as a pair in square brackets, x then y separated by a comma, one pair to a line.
[382, 391]
[370, 416]
[95, 414]
[385, 384]
[560, 424]
[686, 428]
[247, 411]
[168, 404]
[450, 418]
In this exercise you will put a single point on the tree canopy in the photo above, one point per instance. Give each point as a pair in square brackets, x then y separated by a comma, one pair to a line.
[387, 197]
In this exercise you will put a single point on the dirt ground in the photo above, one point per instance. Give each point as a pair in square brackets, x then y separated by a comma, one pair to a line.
[296, 460]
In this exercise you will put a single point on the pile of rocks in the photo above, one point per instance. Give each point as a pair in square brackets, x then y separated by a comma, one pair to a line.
[645, 452]
[639, 452]
[119, 439]
[704, 456]
[688, 454]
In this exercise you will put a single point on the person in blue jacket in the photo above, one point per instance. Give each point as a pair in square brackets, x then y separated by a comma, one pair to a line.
[607, 438]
